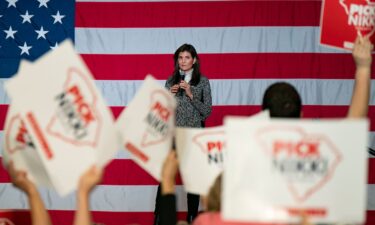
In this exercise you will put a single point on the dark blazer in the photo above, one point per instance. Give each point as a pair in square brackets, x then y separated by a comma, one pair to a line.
[192, 113]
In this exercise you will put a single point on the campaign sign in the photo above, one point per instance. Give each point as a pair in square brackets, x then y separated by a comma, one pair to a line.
[147, 126]
[202, 154]
[65, 115]
[277, 168]
[19, 147]
[341, 20]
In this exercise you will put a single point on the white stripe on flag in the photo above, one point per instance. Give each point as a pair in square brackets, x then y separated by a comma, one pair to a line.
[205, 39]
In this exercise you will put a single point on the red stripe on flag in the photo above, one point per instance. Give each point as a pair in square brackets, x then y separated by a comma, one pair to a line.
[132, 174]
[15, 216]
[117, 110]
[371, 171]
[143, 218]
[197, 14]
[226, 66]
[219, 112]
[370, 217]
[66, 217]
[3, 114]
[135, 175]
[4, 176]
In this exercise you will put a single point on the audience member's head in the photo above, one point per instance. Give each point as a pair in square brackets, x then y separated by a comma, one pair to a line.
[282, 100]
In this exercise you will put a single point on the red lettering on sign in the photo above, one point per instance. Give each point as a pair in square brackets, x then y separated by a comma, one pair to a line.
[83, 108]
[215, 145]
[21, 132]
[162, 111]
[301, 148]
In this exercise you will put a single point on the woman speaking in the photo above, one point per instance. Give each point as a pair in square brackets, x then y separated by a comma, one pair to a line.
[194, 104]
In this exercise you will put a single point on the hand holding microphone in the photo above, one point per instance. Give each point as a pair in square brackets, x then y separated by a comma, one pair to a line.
[174, 89]
[182, 76]
[184, 86]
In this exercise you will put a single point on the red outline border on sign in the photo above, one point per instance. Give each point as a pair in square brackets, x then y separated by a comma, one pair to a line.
[8, 136]
[144, 143]
[196, 137]
[71, 72]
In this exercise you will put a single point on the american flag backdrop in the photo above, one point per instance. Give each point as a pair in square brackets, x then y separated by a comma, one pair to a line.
[244, 46]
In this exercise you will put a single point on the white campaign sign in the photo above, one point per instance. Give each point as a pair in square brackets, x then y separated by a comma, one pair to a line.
[18, 145]
[65, 115]
[276, 168]
[147, 126]
[19, 148]
[202, 154]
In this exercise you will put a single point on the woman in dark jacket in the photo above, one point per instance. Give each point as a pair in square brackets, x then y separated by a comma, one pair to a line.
[194, 104]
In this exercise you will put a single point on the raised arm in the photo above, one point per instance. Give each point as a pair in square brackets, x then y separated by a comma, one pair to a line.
[168, 199]
[86, 184]
[362, 84]
[39, 214]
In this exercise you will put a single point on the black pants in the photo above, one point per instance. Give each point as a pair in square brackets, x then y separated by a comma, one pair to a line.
[192, 203]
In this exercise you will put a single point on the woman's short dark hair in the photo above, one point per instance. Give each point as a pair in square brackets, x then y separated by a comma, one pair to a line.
[196, 72]
[282, 100]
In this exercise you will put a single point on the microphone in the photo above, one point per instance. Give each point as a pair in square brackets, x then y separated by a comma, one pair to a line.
[182, 76]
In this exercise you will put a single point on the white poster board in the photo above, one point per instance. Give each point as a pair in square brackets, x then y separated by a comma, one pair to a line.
[276, 168]
[202, 154]
[147, 125]
[19, 147]
[65, 114]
